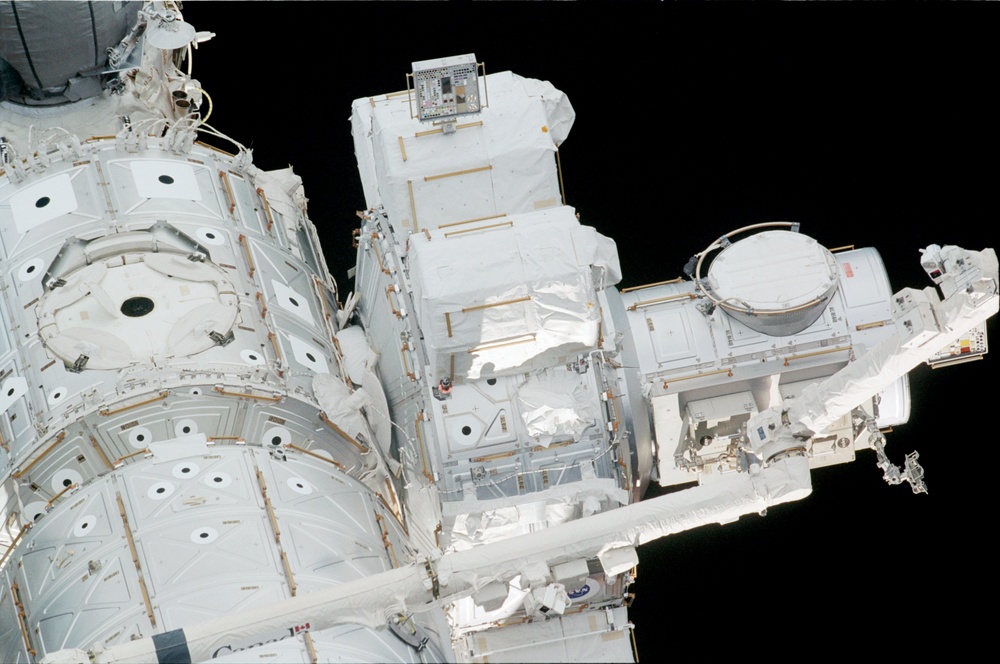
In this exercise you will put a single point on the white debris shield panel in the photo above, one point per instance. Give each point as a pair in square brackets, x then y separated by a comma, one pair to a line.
[500, 161]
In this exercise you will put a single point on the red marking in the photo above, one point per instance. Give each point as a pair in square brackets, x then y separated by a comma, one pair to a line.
[302, 628]
[848, 271]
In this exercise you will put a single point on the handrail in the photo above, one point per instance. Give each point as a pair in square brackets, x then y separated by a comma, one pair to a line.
[718, 244]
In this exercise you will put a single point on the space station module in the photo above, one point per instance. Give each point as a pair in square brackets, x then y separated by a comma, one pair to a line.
[210, 452]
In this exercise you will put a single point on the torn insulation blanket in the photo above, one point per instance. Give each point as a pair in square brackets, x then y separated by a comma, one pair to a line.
[512, 298]
[556, 405]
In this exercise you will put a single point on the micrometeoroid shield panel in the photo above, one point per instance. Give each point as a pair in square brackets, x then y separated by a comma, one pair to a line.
[446, 87]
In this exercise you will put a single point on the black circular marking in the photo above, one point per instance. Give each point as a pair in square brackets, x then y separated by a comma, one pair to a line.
[140, 437]
[38, 516]
[160, 490]
[56, 395]
[85, 524]
[491, 381]
[466, 430]
[29, 269]
[203, 535]
[253, 358]
[216, 479]
[165, 179]
[293, 301]
[42, 202]
[276, 440]
[310, 356]
[10, 392]
[186, 430]
[67, 482]
[135, 307]
[300, 485]
[185, 469]
[210, 236]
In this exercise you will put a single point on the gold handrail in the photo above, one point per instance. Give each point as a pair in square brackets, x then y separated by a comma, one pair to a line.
[59, 495]
[423, 452]
[493, 457]
[698, 375]
[406, 365]
[21, 473]
[229, 191]
[385, 539]
[246, 250]
[478, 307]
[121, 459]
[868, 326]
[675, 280]
[163, 395]
[314, 658]
[471, 221]
[267, 207]
[273, 338]
[259, 397]
[292, 586]
[263, 304]
[825, 351]
[477, 349]
[661, 300]
[316, 456]
[210, 147]
[135, 560]
[238, 439]
[326, 420]
[100, 452]
[413, 205]
[13, 543]
[269, 507]
[481, 228]
[21, 618]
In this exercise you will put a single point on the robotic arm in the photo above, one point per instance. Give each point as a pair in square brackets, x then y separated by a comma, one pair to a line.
[925, 325]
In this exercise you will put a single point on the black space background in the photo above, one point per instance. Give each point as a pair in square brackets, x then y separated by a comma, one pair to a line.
[872, 124]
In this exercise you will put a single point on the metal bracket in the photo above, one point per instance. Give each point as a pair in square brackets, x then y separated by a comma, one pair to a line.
[78, 365]
[220, 339]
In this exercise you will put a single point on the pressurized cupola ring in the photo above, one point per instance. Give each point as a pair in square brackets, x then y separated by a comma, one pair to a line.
[776, 282]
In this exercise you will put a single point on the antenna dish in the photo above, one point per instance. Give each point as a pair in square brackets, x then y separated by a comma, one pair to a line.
[167, 33]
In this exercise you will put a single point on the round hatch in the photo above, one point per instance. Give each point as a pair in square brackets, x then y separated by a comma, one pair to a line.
[136, 307]
[775, 282]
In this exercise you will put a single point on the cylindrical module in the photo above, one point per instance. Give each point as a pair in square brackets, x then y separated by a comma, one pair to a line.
[168, 322]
